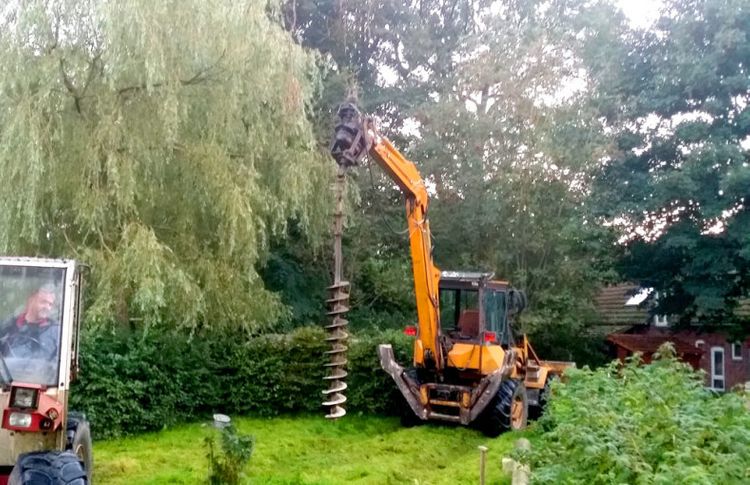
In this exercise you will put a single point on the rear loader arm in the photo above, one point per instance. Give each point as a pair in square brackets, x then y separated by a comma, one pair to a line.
[355, 137]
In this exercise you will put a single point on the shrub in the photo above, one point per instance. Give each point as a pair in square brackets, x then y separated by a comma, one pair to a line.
[371, 390]
[134, 382]
[226, 464]
[636, 423]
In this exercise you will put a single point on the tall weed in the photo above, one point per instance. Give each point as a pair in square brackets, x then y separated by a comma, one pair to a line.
[642, 424]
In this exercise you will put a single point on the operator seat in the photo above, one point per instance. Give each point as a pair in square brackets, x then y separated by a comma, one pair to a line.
[468, 323]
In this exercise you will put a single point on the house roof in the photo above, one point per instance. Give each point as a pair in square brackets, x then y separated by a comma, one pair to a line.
[614, 310]
[743, 309]
[648, 344]
[601, 331]
[611, 305]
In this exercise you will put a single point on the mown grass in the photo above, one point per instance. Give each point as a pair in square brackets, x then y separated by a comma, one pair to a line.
[310, 450]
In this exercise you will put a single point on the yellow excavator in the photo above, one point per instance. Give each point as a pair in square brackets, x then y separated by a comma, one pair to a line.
[468, 366]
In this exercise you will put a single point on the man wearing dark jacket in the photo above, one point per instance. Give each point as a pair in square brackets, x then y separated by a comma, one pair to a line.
[34, 333]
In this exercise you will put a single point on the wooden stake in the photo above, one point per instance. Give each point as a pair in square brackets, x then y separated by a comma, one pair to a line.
[482, 460]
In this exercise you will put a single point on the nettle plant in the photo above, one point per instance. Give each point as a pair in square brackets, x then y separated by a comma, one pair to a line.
[636, 423]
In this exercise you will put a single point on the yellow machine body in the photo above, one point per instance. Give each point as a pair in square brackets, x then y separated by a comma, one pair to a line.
[464, 348]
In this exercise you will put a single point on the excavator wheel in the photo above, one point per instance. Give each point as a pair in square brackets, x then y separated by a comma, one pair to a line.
[535, 412]
[508, 411]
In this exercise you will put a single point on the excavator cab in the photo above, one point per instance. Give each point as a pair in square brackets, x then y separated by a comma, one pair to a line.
[474, 308]
[476, 321]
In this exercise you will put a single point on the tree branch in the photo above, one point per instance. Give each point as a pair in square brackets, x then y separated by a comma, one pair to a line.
[70, 86]
[199, 77]
[92, 71]
[402, 70]
[56, 41]
[294, 17]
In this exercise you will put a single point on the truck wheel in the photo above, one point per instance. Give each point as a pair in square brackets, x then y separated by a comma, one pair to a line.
[508, 411]
[48, 468]
[79, 441]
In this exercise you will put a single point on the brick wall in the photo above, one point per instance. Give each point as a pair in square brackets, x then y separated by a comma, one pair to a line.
[736, 372]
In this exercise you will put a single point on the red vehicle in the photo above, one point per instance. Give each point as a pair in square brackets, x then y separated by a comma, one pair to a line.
[40, 440]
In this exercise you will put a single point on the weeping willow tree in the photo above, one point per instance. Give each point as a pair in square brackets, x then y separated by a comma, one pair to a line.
[164, 143]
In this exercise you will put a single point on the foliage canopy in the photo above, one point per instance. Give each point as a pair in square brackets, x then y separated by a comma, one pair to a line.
[471, 92]
[164, 143]
[675, 99]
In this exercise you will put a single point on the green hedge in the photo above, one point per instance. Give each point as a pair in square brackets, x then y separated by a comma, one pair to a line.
[134, 382]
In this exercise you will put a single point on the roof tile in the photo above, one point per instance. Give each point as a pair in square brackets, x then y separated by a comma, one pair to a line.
[648, 344]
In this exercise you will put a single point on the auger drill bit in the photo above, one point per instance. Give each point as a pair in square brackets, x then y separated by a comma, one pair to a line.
[338, 306]
[349, 145]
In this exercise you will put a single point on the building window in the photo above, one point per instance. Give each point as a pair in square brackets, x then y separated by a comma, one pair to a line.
[717, 368]
[661, 321]
[700, 343]
[737, 351]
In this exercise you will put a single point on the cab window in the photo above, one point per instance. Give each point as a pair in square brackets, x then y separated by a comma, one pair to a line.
[495, 315]
[459, 312]
[30, 316]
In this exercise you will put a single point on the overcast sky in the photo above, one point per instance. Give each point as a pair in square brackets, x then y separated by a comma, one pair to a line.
[641, 13]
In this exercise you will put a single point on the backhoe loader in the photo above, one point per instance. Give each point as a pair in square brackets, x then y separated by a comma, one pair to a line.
[468, 366]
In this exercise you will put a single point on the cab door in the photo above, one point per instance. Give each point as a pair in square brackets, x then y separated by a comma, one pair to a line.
[495, 308]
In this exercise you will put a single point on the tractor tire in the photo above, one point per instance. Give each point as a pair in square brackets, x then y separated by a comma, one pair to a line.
[405, 412]
[79, 441]
[508, 411]
[48, 468]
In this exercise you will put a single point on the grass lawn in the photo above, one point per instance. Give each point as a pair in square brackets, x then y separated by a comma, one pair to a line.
[310, 450]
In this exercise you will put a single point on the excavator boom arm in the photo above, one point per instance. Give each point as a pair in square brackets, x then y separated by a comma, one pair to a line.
[356, 137]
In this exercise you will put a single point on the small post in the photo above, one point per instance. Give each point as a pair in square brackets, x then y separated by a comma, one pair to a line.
[523, 444]
[482, 461]
[520, 473]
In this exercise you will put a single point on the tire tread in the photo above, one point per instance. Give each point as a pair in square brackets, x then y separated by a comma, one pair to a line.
[49, 468]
